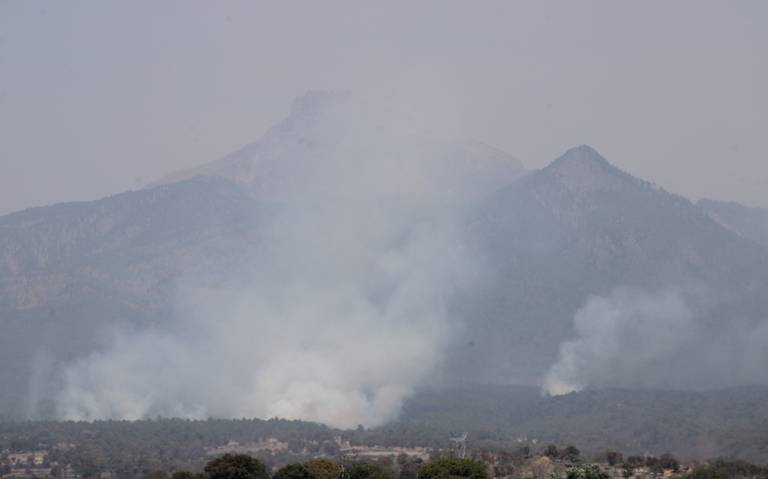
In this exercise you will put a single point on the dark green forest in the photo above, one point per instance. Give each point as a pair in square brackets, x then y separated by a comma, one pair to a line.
[499, 420]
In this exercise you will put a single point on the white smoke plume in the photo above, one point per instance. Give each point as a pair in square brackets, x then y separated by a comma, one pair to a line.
[620, 338]
[346, 310]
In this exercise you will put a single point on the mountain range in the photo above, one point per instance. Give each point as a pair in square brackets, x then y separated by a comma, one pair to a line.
[550, 241]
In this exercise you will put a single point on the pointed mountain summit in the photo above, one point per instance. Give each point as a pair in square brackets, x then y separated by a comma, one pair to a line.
[580, 227]
[580, 154]
[253, 164]
[582, 169]
[327, 135]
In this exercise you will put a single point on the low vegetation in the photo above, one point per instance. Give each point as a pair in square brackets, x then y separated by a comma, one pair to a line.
[281, 449]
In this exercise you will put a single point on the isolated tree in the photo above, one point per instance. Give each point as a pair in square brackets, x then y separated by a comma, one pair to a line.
[570, 453]
[410, 469]
[668, 461]
[329, 448]
[551, 451]
[613, 457]
[452, 467]
[188, 475]
[364, 470]
[236, 466]
[157, 475]
[322, 468]
[654, 464]
[293, 471]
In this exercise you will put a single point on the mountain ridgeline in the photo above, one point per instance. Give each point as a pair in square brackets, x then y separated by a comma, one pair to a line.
[582, 228]
[581, 276]
[749, 223]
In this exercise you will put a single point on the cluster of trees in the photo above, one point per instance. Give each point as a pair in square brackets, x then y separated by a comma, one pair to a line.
[727, 469]
[242, 466]
[655, 464]
[133, 449]
[642, 421]
[586, 471]
[568, 454]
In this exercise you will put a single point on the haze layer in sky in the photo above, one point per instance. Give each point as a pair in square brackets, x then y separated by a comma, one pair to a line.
[100, 97]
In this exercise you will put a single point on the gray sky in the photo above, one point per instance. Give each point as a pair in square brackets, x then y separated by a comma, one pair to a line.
[99, 97]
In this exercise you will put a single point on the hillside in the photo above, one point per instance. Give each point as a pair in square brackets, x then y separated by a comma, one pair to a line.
[72, 273]
[749, 223]
[583, 215]
[581, 228]
[691, 425]
[578, 270]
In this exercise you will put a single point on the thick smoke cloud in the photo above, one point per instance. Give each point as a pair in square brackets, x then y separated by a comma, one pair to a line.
[344, 301]
[667, 339]
[347, 305]
[618, 337]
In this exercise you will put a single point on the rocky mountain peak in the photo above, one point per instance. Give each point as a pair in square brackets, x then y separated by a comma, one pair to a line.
[581, 154]
[582, 169]
[332, 134]
[314, 102]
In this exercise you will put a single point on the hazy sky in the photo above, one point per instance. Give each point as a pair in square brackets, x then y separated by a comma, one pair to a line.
[99, 97]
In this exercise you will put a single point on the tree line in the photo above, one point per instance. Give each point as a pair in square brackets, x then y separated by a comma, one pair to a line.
[243, 466]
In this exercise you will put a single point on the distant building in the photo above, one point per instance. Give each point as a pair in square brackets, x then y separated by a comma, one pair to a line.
[33, 458]
[29, 472]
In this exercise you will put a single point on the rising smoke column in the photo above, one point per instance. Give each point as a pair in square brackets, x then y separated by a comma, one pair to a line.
[347, 305]
[668, 339]
[620, 339]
